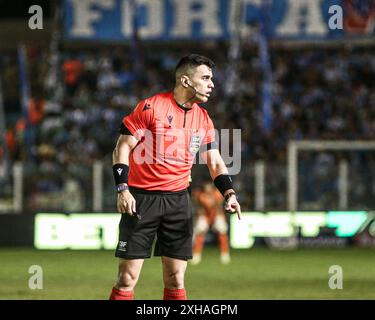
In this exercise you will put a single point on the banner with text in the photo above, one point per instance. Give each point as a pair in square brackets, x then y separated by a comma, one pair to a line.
[113, 20]
[282, 230]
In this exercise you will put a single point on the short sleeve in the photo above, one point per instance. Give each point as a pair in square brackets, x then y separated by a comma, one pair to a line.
[209, 137]
[139, 120]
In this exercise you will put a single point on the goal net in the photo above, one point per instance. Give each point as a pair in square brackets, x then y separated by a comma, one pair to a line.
[331, 175]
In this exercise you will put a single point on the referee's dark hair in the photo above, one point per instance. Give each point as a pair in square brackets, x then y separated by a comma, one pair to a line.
[190, 61]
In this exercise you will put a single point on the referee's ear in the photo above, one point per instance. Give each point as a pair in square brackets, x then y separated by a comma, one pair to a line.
[185, 81]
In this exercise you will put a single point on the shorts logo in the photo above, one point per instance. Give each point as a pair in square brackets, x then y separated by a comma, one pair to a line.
[119, 171]
[195, 143]
[122, 245]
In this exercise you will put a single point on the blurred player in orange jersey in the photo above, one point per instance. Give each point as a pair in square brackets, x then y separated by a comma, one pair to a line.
[210, 214]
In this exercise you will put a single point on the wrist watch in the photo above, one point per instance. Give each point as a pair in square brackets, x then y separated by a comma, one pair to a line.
[122, 187]
[229, 195]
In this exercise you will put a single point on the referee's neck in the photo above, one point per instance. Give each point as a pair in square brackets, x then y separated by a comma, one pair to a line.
[183, 99]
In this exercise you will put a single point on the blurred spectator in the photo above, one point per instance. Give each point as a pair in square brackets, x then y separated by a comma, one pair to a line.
[209, 215]
[72, 70]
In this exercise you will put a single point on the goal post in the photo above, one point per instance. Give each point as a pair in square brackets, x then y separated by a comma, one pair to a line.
[294, 147]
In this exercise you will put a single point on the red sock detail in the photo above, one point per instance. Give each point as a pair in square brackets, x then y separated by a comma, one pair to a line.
[117, 294]
[174, 294]
[198, 243]
[223, 242]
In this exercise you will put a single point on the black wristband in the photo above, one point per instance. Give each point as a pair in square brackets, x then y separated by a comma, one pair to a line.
[223, 182]
[120, 173]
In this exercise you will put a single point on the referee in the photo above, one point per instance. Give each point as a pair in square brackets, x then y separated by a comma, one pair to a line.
[151, 166]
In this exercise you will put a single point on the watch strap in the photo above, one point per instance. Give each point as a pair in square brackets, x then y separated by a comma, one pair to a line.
[122, 187]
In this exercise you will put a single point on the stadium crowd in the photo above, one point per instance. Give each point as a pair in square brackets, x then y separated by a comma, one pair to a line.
[75, 111]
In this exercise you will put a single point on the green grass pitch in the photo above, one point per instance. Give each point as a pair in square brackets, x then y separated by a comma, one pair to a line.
[258, 273]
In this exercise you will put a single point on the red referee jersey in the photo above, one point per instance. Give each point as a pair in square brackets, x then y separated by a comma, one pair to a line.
[169, 137]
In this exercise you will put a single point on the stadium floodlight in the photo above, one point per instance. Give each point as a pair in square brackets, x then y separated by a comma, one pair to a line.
[319, 145]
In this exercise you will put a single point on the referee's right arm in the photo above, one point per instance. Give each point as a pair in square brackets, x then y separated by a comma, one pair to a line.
[125, 143]
[120, 161]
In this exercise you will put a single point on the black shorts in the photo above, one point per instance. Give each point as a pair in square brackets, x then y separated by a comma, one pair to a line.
[166, 215]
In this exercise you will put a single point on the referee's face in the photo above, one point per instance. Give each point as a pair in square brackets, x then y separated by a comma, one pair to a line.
[202, 80]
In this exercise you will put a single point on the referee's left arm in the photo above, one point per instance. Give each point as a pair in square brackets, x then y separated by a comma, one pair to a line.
[222, 180]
